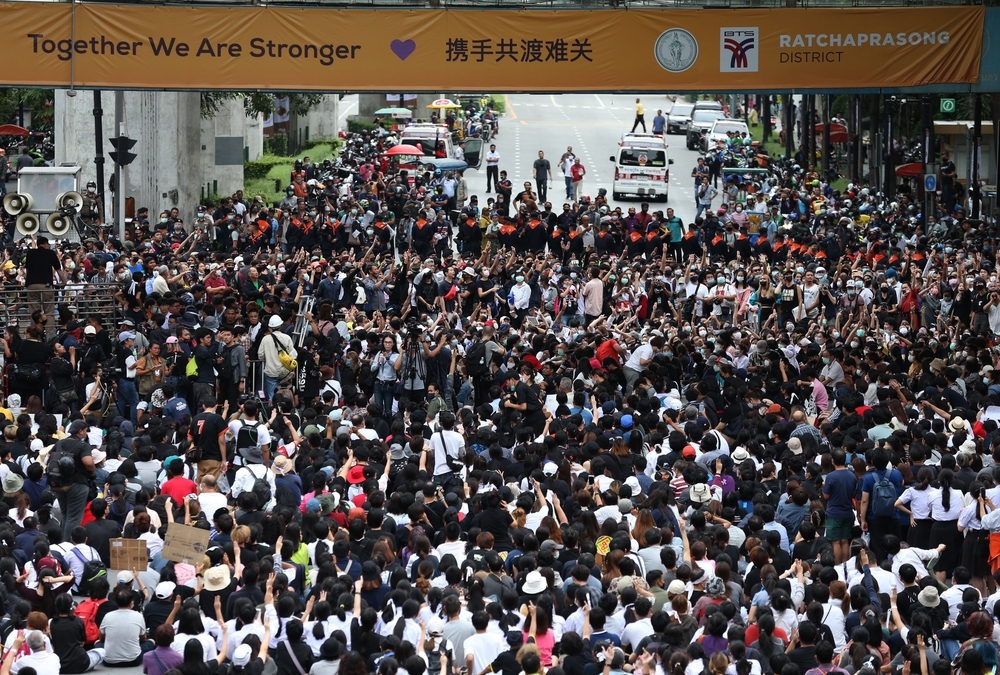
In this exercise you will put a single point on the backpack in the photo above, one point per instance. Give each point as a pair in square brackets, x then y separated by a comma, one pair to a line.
[61, 465]
[225, 368]
[883, 500]
[57, 338]
[475, 359]
[248, 437]
[87, 610]
[261, 488]
[92, 571]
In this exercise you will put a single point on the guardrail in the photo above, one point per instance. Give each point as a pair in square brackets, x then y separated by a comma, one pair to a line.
[85, 300]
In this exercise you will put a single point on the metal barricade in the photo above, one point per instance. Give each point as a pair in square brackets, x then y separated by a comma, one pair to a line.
[85, 300]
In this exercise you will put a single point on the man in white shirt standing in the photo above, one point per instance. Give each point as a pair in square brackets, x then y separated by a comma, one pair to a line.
[520, 298]
[448, 448]
[639, 360]
[566, 166]
[492, 168]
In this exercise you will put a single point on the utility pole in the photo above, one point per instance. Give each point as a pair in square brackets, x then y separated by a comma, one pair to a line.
[977, 142]
[99, 157]
[122, 158]
[889, 178]
[925, 109]
[767, 117]
[827, 111]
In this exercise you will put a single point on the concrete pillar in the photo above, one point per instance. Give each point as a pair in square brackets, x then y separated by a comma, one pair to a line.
[369, 103]
[167, 126]
[321, 120]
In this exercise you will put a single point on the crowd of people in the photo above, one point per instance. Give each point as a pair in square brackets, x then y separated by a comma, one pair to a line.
[589, 441]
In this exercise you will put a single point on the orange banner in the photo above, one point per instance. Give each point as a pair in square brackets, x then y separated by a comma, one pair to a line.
[135, 47]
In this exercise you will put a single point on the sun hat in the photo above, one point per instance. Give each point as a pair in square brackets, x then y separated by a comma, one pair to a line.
[795, 446]
[534, 583]
[929, 597]
[699, 493]
[12, 483]
[216, 578]
[740, 455]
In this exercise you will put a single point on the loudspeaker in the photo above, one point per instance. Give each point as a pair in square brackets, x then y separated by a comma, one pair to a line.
[28, 224]
[70, 199]
[16, 203]
[58, 224]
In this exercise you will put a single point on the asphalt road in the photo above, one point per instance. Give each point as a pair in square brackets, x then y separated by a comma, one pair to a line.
[593, 125]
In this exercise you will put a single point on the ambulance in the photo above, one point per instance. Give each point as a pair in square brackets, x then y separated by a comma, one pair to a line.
[642, 167]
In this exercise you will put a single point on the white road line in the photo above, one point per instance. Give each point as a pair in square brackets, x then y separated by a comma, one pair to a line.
[529, 105]
[554, 104]
[543, 105]
[599, 100]
[571, 106]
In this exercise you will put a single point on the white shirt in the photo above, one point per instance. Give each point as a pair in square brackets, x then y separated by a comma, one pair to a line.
[87, 553]
[953, 596]
[492, 158]
[913, 556]
[522, 295]
[207, 643]
[245, 478]
[938, 511]
[635, 631]
[919, 502]
[485, 648]
[641, 353]
[42, 662]
[452, 444]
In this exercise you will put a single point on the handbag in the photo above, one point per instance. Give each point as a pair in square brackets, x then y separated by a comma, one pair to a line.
[68, 395]
[287, 362]
[29, 374]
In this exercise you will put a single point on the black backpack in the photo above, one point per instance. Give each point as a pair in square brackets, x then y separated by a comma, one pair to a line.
[475, 360]
[261, 488]
[248, 437]
[57, 338]
[62, 463]
[225, 368]
[92, 571]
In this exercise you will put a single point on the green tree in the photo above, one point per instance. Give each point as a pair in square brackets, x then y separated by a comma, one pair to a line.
[258, 103]
[39, 101]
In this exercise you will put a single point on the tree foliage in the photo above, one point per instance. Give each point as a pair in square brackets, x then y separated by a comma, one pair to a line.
[39, 101]
[258, 103]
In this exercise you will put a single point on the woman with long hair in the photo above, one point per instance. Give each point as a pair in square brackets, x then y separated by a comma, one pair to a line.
[194, 662]
[644, 521]
[945, 504]
[915, 502]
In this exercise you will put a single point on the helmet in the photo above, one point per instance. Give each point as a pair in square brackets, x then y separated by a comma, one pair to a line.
[602, 192]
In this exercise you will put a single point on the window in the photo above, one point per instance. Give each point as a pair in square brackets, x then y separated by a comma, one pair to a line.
[642, 157]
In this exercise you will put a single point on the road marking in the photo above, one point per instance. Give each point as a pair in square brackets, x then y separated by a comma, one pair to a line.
[599, 100]
[586, 107]
[543, 105]
[528, 105]
[571, 106]
[554, 104]
[510, 107]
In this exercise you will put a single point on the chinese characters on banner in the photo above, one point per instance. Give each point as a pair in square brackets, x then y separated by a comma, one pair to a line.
[479, 50]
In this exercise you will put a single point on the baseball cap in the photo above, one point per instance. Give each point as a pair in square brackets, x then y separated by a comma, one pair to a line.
[90, 330]
[241, 655]
[125, 335]
[165, 589]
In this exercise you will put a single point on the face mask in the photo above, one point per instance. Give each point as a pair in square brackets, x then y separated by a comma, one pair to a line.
[511, 365]
[231, 217]
[737, 336]
[486, 274]
[861, 332]
[702, 332]
[986, 381]
[952, 346]
[669, 354]
[789, 327]
[710, 281]
[968, 281]
[736, 352]
[313, 213]
[612, 277]
[354, 212]
[854, 344]
[716, 368]
[290, 192]
[369, 232]
[800, 270]
[949, 250]
[519, 278]
[163, 220]
[826, 360]
[904, 331]
[740, 277]
[738, 209]
[836, 335]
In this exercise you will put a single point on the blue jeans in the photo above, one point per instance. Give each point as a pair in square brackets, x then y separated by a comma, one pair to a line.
[707, 208]
[128, 399]
[270, 386]
[383, 397]
[569, 187]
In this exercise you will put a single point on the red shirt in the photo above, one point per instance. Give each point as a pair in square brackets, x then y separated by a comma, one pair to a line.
[179, 488]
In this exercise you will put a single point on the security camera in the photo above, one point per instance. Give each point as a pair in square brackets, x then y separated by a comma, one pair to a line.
[892, 98]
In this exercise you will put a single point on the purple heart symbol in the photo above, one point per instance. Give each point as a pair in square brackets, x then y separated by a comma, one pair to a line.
[403, 48]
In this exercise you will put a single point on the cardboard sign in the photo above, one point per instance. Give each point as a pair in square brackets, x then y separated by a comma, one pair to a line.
[129, 554]
[185, 544]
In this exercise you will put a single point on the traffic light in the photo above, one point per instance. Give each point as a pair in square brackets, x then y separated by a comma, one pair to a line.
[121, 155]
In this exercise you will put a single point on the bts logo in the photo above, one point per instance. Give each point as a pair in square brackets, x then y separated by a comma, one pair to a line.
[738, 50]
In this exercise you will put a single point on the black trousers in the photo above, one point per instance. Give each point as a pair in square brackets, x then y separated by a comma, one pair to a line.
[492, 177]
[639, 119]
